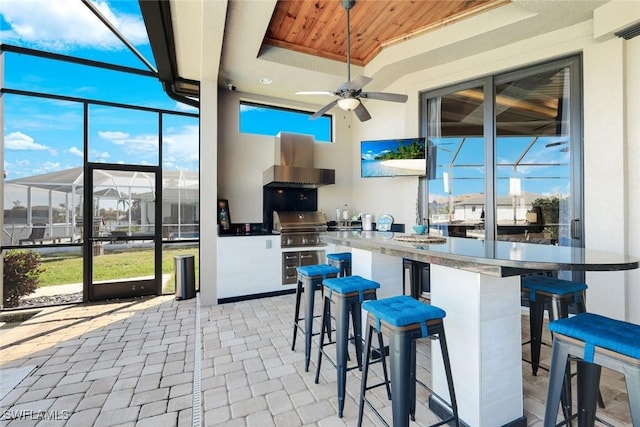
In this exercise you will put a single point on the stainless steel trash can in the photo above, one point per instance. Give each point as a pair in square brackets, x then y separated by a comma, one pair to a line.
[185, 277]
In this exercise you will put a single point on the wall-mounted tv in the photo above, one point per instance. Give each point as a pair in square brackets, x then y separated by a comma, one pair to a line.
[393, 157]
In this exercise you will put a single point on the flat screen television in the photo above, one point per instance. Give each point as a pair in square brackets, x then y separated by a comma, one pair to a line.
[393, 157]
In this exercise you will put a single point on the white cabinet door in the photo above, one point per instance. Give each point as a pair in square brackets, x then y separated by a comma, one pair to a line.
[248, 265]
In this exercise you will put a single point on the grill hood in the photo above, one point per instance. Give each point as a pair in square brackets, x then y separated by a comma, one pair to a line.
[294, 164]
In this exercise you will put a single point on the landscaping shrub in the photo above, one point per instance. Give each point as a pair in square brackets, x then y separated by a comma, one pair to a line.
[21, 273]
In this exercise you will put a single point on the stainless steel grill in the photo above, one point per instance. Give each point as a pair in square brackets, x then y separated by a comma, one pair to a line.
[299, 233]
[299, 229]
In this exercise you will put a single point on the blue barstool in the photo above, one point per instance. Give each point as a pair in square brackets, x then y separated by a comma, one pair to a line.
[558, 295]
[341, 260]
[597, 341]
[404, 320]
[310, 279]
[348, 293]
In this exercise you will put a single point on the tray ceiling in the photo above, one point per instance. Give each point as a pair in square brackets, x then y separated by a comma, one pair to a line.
[319, 27]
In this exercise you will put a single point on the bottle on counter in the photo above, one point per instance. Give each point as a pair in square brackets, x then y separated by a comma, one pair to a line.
[345, 213]
[224, 219]
[338, 214]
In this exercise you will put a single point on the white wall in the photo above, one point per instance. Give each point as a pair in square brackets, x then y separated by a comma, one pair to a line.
[632, 164]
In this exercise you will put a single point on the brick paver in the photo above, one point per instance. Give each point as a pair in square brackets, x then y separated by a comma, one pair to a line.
[103, 364]
[132, 363]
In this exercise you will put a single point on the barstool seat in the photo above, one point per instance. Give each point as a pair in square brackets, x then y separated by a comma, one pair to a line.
[404, 319]
[598, 341]
[341, 260]
[347, 292]
[310, 279]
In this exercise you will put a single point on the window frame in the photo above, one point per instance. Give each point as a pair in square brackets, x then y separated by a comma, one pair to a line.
[489, 83]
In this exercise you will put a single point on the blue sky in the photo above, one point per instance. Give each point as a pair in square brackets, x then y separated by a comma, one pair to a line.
[44, 136]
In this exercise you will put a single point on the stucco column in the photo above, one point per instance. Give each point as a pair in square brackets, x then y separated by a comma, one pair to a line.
[212, 21]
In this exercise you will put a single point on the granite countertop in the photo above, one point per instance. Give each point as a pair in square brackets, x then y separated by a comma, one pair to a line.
[495, 258]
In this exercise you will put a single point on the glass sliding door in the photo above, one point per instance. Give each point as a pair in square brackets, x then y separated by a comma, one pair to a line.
[505, 156]
[456, 152]
[537, 145]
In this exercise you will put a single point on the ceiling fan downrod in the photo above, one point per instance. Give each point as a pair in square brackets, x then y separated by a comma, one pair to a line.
[348, 4]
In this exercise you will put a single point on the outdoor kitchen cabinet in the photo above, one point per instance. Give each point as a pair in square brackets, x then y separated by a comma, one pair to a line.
[248, 265]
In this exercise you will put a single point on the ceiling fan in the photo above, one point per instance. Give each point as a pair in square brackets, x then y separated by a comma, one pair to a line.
[350, 93]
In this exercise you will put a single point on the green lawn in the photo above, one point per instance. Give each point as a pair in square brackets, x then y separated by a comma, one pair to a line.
[64, 268]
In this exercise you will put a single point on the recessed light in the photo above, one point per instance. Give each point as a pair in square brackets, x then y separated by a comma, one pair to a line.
[265, 80]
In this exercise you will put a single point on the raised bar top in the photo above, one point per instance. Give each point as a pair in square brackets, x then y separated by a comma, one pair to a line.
[491, 257]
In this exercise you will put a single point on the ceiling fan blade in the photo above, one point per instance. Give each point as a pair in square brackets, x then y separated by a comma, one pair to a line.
[358, 83]
[384, 96]
[324, 109]
[362, 113]
[316, 92]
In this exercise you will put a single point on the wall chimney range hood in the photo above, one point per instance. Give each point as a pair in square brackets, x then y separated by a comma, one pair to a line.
[294, 164]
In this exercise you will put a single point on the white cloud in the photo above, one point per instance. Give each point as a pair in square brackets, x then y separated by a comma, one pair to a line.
[65, 24]
[20, 142]
[131, 143]
[75, 151]
[182, 145]
[117, 137]
[98, 156]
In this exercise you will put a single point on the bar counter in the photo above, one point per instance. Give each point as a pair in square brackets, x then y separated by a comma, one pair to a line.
[494, 258]
[477, 283]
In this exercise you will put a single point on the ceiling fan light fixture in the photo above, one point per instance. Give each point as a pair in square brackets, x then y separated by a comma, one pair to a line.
[348, 104]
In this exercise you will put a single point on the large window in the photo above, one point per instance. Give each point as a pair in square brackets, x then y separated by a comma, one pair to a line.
[268, 120]
[82, 190]
[507, 151]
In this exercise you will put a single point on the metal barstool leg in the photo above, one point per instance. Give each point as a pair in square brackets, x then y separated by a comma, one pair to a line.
[632, 379]
[296, 316]
[342, 342]
[536, 319]
[447, 369]
[560, 310]
[588, 380]
[383, 360]
[310, 289]
[400, 349]
[356, 322]
[365, 370]
[559, 361]
[326, 323]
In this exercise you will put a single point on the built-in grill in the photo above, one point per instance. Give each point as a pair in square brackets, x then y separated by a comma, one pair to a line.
[299, 233]
[299, 228]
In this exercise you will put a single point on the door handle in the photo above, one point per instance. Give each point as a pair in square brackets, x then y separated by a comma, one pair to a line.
[575, 229]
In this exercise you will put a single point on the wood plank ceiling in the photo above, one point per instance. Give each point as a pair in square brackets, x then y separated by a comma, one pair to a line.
[318, 27]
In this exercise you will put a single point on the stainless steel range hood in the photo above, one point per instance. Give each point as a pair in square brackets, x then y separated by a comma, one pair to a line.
[294, 164]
